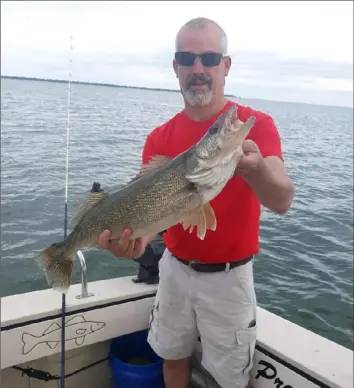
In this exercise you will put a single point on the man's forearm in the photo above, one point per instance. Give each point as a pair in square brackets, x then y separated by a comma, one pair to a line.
[273, 188]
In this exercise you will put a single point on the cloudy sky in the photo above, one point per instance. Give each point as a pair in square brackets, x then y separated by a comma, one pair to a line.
[287, 51]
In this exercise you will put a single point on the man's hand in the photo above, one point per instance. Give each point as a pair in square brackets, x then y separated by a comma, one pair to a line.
[250, 160]
[267, 177]
[123, 247]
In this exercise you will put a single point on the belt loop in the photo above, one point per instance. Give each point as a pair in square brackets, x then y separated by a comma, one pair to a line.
[227, 267]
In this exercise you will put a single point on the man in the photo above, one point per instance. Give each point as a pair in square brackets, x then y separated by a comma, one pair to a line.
[215, 299]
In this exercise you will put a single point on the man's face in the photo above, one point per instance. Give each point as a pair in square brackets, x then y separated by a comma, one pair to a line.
[201, 82]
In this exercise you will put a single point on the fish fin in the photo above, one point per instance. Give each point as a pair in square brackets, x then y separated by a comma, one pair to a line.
[30, 341]
[197, 218]
[81, 331]
[57, 264]
[203, 217]
[91, 200]
[153, 164]
[80, 340]
[210, 217]
[75, 320]
[52, 344]
[54, 326]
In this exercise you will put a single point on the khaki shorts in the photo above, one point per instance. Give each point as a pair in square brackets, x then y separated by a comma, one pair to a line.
[220, 307]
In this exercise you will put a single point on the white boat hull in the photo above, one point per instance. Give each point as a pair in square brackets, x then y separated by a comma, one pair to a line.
[287, 356]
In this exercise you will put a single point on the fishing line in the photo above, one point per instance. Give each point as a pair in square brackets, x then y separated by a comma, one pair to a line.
[62, 354]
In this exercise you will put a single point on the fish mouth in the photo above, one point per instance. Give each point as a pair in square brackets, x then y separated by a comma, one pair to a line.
[224, 121]
[236, 133]
[229, 122]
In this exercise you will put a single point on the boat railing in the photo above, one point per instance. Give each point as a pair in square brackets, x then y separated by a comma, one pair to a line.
[84, 287]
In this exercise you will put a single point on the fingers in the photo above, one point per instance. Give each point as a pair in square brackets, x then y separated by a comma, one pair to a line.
[104, 238]
[122, 246]
[127, 247]
[138, 248]
[124, 241]
[249, 146]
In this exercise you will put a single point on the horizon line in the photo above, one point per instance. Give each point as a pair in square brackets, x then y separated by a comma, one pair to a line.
[54, 80]
[95, 84]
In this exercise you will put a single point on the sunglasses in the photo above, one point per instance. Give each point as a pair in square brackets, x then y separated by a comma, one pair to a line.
[185, 58]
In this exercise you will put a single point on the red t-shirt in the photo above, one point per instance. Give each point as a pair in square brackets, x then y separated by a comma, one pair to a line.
[237, 208]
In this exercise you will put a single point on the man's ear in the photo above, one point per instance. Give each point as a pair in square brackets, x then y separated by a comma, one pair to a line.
[175, 67]
[227, 62]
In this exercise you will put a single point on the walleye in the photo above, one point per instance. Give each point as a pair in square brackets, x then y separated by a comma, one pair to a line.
[165, 192]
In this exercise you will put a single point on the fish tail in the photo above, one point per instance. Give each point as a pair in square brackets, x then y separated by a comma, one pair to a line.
[57, 263]
[29, 342]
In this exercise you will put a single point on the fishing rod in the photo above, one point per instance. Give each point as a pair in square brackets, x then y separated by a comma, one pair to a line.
[62, 354]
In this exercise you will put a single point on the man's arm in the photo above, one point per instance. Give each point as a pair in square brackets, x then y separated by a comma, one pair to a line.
[273, 187]
[263, 168]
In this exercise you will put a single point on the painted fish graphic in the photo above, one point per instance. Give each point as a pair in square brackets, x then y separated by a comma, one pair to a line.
[76, 329]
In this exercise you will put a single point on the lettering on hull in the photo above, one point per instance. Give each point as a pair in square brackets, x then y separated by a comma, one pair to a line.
[269, 372]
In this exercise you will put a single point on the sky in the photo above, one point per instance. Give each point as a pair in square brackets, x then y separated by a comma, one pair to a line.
[298, 51]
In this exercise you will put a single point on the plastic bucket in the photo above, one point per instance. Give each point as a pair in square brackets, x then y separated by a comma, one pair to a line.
[134, 364]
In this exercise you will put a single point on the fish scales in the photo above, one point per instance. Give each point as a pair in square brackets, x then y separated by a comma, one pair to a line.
[167, 191]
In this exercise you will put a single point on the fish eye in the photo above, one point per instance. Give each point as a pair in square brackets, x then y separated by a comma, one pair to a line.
[214, 128]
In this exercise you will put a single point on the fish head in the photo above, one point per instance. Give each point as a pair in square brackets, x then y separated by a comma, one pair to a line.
[97, 326]
[223, 140]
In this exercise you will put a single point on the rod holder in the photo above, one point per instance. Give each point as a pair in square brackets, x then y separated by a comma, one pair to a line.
[84, 291]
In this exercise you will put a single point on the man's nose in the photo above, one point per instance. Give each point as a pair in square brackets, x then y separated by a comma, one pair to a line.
[198, 66]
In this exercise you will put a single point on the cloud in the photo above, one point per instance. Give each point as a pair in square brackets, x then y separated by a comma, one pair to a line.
[287, 56]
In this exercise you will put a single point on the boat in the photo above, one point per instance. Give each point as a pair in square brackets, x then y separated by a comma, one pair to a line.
[99, 312]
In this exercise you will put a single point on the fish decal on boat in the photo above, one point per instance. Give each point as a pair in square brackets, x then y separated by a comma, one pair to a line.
[76, 329]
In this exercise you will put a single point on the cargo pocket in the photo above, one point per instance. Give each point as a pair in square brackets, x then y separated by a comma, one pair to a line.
[246, 340]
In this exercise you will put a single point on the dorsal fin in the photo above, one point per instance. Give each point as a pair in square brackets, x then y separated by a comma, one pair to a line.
[90, 201]
[153, 164]
[53, 327]
[76, 320]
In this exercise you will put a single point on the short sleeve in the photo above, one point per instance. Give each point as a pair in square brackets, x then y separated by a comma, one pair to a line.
[268, 139]
[149, 149]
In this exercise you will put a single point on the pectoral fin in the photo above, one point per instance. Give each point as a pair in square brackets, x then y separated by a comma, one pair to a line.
[210, 217]
[80, 340]
[202, 217]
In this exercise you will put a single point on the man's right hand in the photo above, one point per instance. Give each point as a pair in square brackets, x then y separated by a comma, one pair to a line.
[123, 246]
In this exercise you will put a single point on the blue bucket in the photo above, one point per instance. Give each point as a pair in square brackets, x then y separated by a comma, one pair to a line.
[134, 364]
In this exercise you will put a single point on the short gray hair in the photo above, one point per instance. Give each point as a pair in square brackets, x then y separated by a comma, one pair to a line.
[200, 23]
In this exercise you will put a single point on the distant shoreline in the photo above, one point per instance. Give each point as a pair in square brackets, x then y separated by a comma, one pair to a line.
[61, 81]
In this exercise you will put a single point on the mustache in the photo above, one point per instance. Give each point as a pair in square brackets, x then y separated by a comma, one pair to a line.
[202, 78]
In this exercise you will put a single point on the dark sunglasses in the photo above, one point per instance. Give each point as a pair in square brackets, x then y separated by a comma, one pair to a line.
[185, 58]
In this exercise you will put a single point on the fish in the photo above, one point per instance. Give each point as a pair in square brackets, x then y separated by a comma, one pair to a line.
[165, 191]
[76, 329]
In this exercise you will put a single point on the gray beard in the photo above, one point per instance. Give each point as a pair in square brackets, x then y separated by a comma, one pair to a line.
[198, 97]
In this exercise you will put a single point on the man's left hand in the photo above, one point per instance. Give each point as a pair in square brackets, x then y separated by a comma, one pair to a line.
[251, 160]
[267, 177]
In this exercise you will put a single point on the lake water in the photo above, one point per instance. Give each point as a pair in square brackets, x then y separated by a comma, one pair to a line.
[304, 272]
